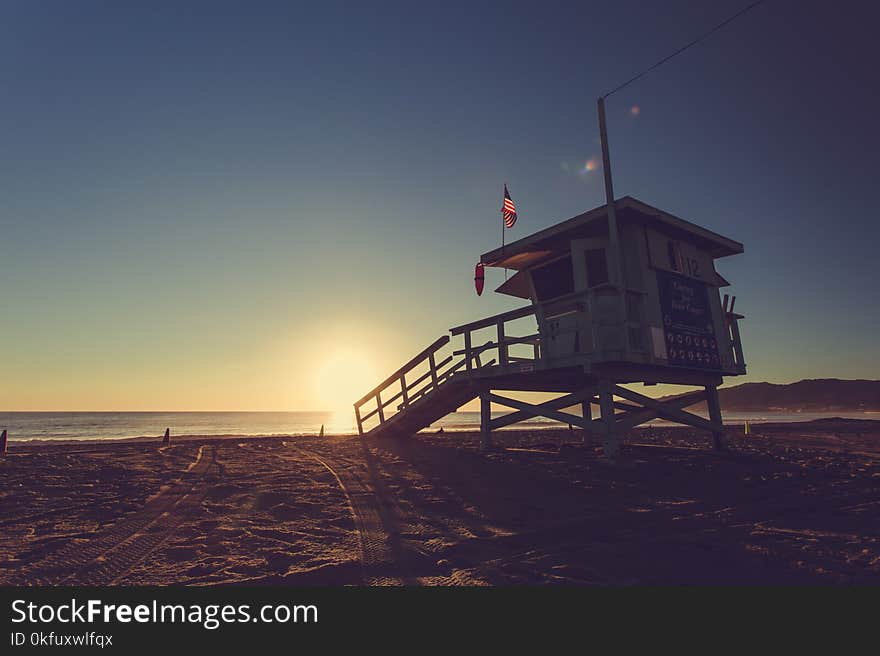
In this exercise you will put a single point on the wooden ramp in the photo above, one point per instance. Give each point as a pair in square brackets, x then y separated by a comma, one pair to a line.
[428, 409]
[437, 388]
[430, 386]
[434, 384]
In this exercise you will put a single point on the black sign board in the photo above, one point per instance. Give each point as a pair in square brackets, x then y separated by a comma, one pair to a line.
[687, 322]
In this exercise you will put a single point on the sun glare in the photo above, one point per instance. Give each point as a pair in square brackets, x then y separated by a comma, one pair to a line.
[342, 379]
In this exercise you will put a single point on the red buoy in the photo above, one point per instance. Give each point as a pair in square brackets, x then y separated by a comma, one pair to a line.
[479, 278]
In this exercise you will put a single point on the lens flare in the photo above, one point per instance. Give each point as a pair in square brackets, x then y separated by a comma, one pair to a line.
[591, 165]
[635, 110]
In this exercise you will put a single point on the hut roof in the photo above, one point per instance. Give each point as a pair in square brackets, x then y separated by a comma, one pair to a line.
[542, 245]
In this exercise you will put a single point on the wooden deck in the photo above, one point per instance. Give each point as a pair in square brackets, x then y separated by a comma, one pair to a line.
[436, 383]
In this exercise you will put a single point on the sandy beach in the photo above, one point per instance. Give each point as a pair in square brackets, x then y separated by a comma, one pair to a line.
[789, 504]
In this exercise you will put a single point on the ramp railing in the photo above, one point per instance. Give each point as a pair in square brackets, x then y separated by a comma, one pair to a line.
[732, 326]
[426, 372]
[503, 340]
[397, 387]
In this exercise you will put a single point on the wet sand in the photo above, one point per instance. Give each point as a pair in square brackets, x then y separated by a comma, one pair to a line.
[790, 504]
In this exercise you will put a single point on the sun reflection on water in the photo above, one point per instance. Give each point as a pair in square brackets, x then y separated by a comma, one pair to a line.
[340, 422]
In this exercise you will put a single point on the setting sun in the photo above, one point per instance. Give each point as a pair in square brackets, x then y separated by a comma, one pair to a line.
[342, 379]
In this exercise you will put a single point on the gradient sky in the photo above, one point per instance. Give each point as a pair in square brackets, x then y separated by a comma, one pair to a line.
[203, 203]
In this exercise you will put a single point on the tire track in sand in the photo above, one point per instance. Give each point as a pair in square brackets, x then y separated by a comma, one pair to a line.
[378, 542]
[108, 556]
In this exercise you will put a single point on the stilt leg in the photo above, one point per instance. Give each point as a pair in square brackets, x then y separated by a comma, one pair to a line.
[606, 405]
[587, 413]
[714, 406]
[485, 419]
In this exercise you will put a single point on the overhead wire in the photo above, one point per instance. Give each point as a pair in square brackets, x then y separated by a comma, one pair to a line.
[685, 47]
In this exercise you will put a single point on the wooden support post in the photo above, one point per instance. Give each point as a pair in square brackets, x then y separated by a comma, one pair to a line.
[357, 417]
[606, 406]
[714, 405]
[403, 391]
[467, 351]
[167, 438]
[433, 364]
[3, 441]
[737, 342]
[502, 345]
[485, 423]
[379, 406]
[587, 412]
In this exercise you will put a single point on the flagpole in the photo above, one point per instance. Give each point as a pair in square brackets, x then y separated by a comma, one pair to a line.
[502, 228]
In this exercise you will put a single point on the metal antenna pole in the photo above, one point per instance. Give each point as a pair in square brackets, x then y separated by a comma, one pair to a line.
[613, 235]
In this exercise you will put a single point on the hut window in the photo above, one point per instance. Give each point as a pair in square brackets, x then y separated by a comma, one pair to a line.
[554, 279]
[673, 256]
[597, 267]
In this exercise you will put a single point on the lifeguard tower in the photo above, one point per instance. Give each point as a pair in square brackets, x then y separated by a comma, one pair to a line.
[631, 298]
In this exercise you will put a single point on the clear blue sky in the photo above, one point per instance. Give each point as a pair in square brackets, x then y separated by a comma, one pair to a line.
[201, 203]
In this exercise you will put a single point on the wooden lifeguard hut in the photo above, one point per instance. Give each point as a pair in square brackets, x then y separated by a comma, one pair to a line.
[631, 298]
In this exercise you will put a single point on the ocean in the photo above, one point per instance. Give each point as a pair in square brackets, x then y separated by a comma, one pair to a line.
[115, 425]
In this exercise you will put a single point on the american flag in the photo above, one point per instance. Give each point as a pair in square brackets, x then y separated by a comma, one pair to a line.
[508, 210]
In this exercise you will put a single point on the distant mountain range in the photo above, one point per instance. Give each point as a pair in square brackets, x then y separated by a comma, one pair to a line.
[819, 395]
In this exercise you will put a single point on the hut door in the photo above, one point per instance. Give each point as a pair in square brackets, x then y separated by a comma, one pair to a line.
[589, 258]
